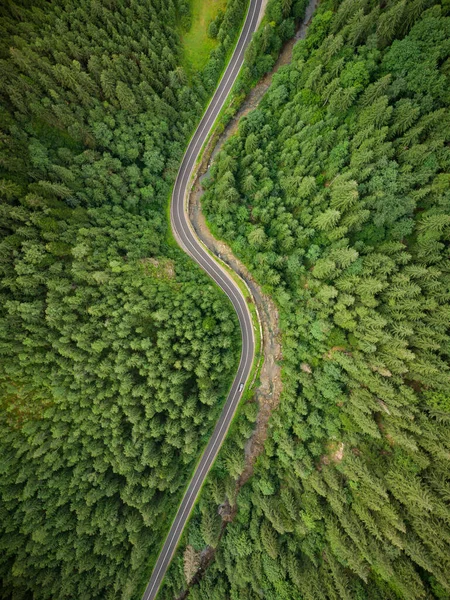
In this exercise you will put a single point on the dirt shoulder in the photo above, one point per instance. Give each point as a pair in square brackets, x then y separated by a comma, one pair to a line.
[269, 390]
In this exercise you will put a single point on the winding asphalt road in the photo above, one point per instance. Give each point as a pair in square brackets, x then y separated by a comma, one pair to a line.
[185, 236]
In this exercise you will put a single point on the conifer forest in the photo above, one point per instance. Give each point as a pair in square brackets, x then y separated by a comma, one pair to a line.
[117, 351]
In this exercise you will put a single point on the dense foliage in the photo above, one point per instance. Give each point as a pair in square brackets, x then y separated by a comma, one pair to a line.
[115, 349]
[278, 26]
[335, 192]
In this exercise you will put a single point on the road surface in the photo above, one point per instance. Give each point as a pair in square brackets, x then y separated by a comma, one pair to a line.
[188, 241]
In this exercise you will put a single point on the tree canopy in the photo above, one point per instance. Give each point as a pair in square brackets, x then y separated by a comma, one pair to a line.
[116, 350]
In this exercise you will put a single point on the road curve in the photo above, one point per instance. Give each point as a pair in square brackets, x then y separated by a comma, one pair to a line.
[188, 241]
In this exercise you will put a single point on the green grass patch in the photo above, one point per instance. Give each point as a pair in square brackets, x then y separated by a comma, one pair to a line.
[197, 45]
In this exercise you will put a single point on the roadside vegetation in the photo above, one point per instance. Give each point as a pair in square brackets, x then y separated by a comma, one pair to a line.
[201, 37]
[335, 193]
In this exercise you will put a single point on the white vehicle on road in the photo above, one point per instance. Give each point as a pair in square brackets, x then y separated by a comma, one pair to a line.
[241, 387]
